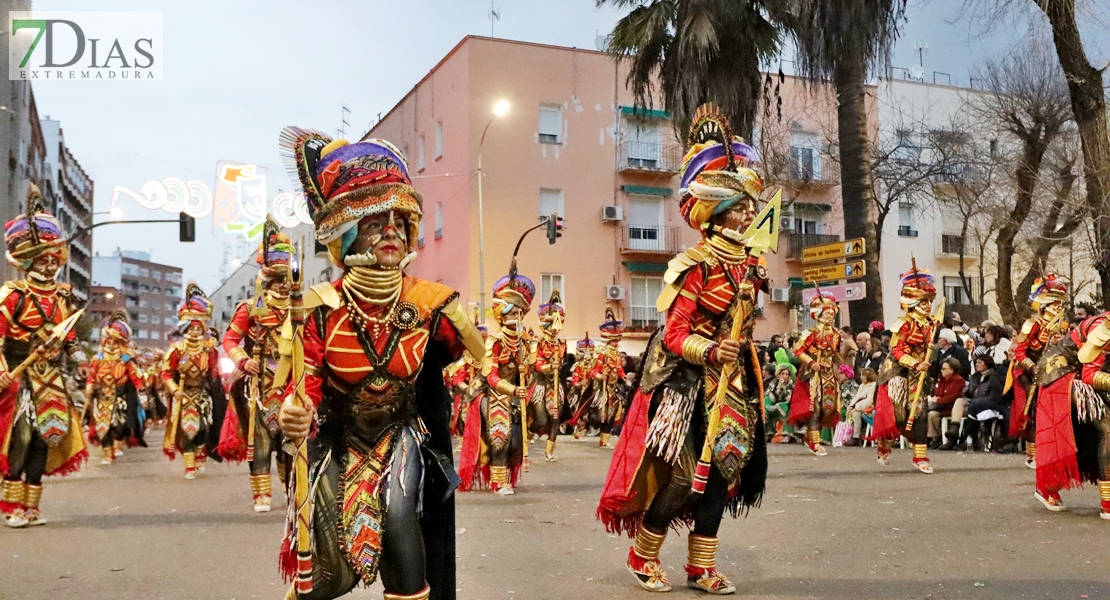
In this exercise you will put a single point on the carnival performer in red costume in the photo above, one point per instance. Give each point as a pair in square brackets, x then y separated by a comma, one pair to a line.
[581, 388]
[900, 406]
[547, 391]
[376, 342]
[816, 399]
[609, 388]
[464, 380]
[112, 390]
[1073, 414]
[40, 429]
[251, 429]
[688, 453]
[1046, 299]
[191, 374]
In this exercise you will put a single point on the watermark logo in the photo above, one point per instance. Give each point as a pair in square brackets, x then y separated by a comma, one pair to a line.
[85, 45]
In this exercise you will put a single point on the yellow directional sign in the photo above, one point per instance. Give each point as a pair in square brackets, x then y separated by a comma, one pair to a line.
[835, 250]
[848, 270]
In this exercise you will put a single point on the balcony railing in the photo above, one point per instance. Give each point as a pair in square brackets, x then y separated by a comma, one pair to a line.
[797, 241]
[806, 166]
[650, 156]
[952, 245]
[645, 318]
[650, 239]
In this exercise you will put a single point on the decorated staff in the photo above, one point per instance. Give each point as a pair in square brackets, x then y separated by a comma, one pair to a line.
[547, 395]
[816, 400]
[191, 374]
[251, 430]
[608, 374]
[903, 380]
[112, 390]
[700, 385]
[40, 429]
[369, 409]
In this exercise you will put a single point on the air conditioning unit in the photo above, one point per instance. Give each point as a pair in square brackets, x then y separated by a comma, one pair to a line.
[612, 213]
[614, 292]
[780, 294]
[786, 219]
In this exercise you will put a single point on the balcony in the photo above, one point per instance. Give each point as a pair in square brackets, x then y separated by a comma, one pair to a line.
[806, 167]
[644, 319]
[951, 245]
[650, 239]
[906, 231]
[653, 157]
[795, 242]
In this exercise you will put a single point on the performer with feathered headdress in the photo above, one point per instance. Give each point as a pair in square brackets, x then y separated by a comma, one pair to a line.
[609, 388]
[547, 397]
[375, 344]
[581, 385]
[816, 400]
[40, 429]
[692, 446]
[191, 375]
[251, 430]
[112, 390]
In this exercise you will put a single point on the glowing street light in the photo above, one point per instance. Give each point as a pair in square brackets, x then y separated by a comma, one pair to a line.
[501, 108]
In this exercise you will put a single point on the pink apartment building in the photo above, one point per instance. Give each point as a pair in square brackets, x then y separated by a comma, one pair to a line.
[570, 143]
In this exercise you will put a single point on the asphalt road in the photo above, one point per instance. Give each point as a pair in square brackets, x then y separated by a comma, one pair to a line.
[834, 527]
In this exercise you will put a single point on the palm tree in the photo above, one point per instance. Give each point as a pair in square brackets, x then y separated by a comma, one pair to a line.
[843, 40]
[696, 51]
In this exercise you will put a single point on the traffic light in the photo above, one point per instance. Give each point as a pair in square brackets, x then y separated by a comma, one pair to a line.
[187, 228]
[554, 228]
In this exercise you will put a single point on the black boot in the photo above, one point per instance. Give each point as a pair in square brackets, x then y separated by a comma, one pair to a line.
[972, 430]
[953, 435]
[933, 443]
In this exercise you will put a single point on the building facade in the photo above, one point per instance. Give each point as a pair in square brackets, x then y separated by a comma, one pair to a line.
[150, 292]
[15, 140]
[572, 144]
[72, 195]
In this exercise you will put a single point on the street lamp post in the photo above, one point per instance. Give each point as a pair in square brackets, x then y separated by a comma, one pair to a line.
[499, 109]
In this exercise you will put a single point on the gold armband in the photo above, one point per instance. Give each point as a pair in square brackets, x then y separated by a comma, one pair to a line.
[238, 355]
[694, 348]
[1027, 364]
[172, 387]
[804, 358]
[1101, 382]
[506, 388]
[908, 361]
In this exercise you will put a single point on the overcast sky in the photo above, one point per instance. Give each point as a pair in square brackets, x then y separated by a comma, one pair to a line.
[237, 71]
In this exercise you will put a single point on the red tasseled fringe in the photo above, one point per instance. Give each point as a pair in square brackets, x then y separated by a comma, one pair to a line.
[287, 561]
[1058, 475]
[7, 508]
[72, 465]
[170, 453]
[885, 426]
[626, 525]
[231, 446]
[801, 404]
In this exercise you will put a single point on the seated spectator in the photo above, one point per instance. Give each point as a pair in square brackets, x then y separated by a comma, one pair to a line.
[997, 341]
[776, 400]
[785, 356]
[862, 402]
[984, 393]
[948, 389]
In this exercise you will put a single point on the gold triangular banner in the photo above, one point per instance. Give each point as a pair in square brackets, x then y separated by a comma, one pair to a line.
[763, 234]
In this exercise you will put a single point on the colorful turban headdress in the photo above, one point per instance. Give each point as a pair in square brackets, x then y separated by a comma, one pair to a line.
[917, 285]
[344, 182]
[275, 253]
[196, 308]
[585, 343]
[1046, 290]
[117, 326]
[716, 172]
[552, 315]
[612, 328]
[34, 233]
[513, 291]
[819, 303]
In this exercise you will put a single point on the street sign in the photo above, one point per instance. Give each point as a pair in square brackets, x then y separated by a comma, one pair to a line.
[833, 251]
[848, 292]
[848, 270]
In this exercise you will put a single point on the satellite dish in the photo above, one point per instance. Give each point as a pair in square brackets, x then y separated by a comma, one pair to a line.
[601, 42]
[916, 72]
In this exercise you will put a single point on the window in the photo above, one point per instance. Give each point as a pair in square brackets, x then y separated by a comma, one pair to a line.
[645, 223]
[645, 291]
[906, 225]
[142, 318]
[144, 273]
[550, 282]
[420, 153]
[805, 151]
[142, 334]
[551, 124]
[439, 139]
[157, 275]
[169, 306]
[906, 149]
[954, 292]
[157, 290]
[154, 335]
[439, 220]
[551, 201]
[171, 291]
[144, 287]
[142, 303]
[156, 320]
[645, 144]
[805, 226]
[130, 269]
[420, 234]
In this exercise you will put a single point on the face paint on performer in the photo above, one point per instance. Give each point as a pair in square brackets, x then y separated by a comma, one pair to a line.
[924, 307]
[112, 346]
[385, 237]
[195, 331]
[828, 316]
[278, 288]
[44, 267]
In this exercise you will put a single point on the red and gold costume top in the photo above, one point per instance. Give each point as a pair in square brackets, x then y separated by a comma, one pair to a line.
[609, 364]
[506, 359]
[26, 308]
[340, 354]
[910, 343]
[1092, 337]
[111, 372]
[194, 361]
[822, 343]
[254, 324]
[699, 292]
[549, 355]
